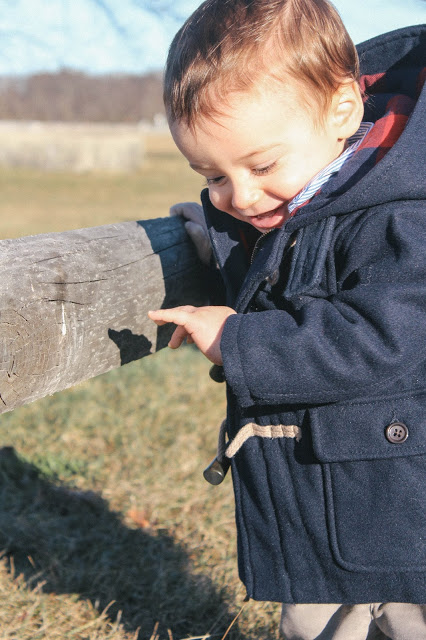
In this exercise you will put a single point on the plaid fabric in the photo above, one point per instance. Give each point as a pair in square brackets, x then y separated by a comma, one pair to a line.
[393, 109]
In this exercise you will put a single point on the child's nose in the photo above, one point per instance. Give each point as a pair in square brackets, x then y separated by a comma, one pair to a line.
[244, 196]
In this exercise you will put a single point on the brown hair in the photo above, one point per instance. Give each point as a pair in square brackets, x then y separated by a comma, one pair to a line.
[227, 45]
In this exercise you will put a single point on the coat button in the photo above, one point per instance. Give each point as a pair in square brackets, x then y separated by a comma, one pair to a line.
[396, 432]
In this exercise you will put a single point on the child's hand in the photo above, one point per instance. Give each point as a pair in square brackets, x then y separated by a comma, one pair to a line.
[196, 227]
[202, 325]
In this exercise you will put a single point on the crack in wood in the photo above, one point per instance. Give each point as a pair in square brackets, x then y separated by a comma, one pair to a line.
[81, 242]
[170, 246]
[127, 264]
[9, 373]
[76, 282]
[81, 304]
[20, 315]
[51, 258]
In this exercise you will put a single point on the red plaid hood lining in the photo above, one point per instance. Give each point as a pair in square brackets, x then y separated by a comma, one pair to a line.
[389, 127]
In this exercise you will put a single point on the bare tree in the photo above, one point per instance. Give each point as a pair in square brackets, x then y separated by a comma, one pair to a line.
[72, 96]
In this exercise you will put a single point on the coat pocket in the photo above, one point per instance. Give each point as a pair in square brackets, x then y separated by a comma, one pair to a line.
[373, 460]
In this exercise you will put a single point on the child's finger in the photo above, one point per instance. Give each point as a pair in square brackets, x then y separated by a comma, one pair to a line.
[158, 322]
[157, 317]
[180, 333]
[178, 337]
[200, 238]
[178, 315]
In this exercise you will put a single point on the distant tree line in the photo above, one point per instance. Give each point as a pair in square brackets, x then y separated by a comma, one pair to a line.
[72, 96]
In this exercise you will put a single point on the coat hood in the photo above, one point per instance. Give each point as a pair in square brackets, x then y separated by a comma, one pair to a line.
[393, 73]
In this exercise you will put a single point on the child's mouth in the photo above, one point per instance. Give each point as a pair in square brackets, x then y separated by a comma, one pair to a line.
[270, 219]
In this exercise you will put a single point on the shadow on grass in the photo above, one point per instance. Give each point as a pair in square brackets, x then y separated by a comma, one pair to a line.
[72, 542]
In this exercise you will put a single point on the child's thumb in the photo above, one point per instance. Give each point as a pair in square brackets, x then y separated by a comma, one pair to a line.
[201, 241]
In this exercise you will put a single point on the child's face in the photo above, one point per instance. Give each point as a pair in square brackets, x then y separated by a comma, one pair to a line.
[259, 153]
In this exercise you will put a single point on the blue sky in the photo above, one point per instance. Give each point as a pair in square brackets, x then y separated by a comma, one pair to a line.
[46, 35]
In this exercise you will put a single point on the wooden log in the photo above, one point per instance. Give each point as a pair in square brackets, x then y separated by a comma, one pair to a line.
[74, 305]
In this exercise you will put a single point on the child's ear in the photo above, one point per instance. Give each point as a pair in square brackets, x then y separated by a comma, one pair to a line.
[347, 110]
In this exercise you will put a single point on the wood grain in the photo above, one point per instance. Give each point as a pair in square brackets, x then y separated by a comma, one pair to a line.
[74, 305]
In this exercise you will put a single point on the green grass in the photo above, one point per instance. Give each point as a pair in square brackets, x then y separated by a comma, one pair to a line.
[108, 530]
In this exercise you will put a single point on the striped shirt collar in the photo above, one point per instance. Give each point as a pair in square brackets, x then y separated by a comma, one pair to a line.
[325, 174]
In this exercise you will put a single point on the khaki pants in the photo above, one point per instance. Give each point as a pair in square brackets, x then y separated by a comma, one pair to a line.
[398, 621]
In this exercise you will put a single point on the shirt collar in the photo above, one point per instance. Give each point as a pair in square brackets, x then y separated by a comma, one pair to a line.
[319, 180]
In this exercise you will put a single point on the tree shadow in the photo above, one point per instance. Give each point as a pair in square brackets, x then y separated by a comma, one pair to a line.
[69, 541]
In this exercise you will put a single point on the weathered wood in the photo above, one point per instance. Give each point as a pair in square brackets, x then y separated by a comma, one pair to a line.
[74, 304]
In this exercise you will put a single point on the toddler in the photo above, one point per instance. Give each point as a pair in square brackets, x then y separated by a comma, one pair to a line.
[314, 217]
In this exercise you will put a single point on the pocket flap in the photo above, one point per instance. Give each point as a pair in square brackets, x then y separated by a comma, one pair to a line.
[363, 430]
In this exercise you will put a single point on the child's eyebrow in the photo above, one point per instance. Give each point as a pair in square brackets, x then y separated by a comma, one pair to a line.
[260, 150]
[200, 167]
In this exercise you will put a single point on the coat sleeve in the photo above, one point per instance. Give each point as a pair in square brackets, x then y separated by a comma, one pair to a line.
[370, 333]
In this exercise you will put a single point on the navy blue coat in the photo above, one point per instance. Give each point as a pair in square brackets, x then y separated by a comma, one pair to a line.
[330, 336]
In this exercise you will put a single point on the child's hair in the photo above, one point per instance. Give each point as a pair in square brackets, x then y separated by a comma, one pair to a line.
[226, 46]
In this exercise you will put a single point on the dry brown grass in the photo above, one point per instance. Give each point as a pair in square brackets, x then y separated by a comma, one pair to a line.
[67, 146]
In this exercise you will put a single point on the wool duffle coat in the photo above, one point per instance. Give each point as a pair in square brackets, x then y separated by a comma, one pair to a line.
[328, 344]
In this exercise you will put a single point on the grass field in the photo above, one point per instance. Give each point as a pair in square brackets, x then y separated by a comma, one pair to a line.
[107, 529]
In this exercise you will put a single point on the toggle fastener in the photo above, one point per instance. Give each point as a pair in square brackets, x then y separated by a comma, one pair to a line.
[216, 471]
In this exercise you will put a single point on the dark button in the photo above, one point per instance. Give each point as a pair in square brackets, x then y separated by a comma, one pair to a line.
[396, 432]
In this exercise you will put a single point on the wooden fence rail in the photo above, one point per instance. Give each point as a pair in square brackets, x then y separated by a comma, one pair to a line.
[74, 304]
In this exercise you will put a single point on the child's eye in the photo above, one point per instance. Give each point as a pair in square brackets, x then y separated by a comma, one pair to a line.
[217, 180]
[263, 171]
